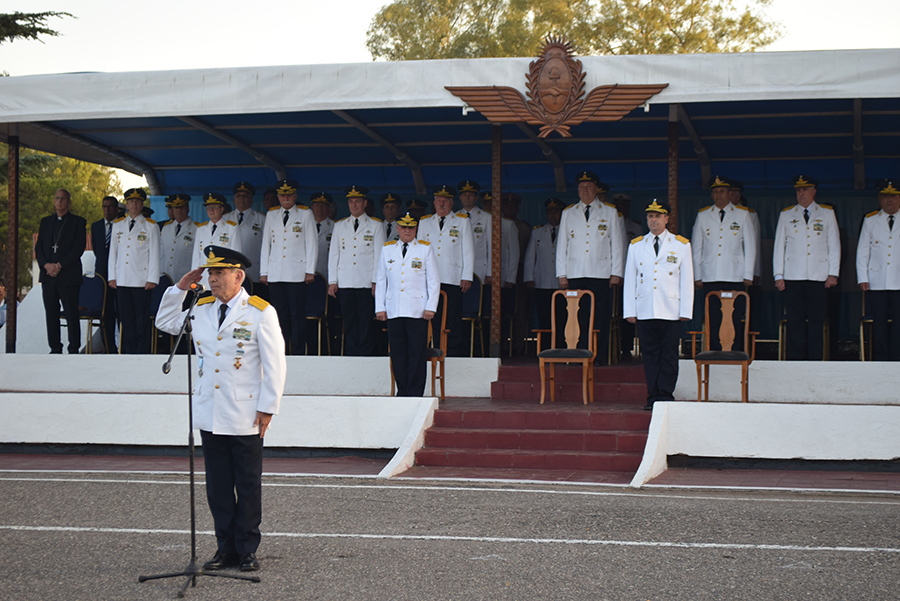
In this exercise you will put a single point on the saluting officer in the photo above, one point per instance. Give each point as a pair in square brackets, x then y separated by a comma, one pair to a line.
[134, 271]
[450, 235]
[806, 259]
[878, 271]
[590, 253]
[242, 374]
[352, 267]
[288, 262]
[481, 228]
[176, 238]
[658, 296]
[539, 270]
[217, 231]
[250, 223]
[320, 203]
[407, 291]
[390, 208]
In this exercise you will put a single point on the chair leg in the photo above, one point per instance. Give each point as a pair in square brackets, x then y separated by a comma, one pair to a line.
[706, 382]
[744, 382]
[591, 382]
[584, 382]
[543, 381]
[433, 374]
[443, 374]
[553, 382]
[699, 383]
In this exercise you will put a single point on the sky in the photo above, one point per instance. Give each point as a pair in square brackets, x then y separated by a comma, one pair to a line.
[195, 34]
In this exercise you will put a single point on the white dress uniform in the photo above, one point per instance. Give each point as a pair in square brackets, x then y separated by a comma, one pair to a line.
[754, 222]
[134, 253]
[594, 248]
[407, 286]
[875, 260]
[176, 248]
[353, 255]
[724, 249]
[509, 251]
[453, 246]
[250, 223]
[481, 241]
[806, 251]
[242, 366]
[540, 258]
[227, 234]
[289, 251]
[393, 234]
[659, 286]
[325, 232]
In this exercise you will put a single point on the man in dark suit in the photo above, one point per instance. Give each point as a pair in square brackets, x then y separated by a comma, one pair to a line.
[60, 244]
[101, 231]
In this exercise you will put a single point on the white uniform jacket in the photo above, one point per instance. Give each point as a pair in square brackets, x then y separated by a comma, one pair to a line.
[724, 250]
[875, 260]
[481, 241]
[227, 234]
[325, 230]
[659, 287]
[540, 259]
[134, 254]
[289, 250]
[353, 255]
[241, 364]
[394, 235]
[594, 248]
[453, 246]
[251, 227]
[509, 251]
[176, 250]
[806, 251]
[407, 286]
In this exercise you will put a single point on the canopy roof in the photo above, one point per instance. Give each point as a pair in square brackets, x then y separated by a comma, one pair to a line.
[759, 117]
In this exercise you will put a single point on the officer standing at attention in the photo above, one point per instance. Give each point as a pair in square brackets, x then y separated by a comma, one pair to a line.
[406, 296]
[287, 263]
[481, 228]
[878, 271]
[450, 235]
[242, 372]
[352, 268]
[416, 208]
[390, 208]
[806, 259]
[590, 253]
[540, 262]
[217, 231]
[724, 247]
[101, 237]
[320, 204]
[250, 223]
[176, 238]
[658, 296]
[134, 271]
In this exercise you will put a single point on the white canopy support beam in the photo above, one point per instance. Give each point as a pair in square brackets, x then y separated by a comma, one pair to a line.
[559, 172]
[259, 155]
[699, 148]
[859, 154]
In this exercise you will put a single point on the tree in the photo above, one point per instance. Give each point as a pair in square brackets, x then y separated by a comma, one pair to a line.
[26, 26]
[40, 175]
[436, 29]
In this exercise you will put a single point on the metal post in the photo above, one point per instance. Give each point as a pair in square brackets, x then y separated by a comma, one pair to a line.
[673, 167]
[496, 216]
[12, 246]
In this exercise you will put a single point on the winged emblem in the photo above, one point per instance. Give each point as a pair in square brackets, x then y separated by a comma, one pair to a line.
[556, 97]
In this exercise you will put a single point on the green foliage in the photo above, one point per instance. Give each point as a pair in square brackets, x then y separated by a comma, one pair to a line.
[40, 175]
[26, 26]
[439, 29]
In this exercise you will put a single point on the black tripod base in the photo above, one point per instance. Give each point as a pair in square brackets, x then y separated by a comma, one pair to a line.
[192, 572]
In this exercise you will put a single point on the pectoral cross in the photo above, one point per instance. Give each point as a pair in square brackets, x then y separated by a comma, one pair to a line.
[55, 248]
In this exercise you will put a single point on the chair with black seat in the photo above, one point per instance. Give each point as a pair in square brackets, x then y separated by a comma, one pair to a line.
[571, 354]
[472, 300]
[92, 307]
[317, 308]
[726, 337]
[436, 353]
[165, 281]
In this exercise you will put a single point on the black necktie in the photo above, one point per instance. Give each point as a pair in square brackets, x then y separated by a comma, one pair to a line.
[223, 309]
[318, 227]
[108, 233]
[213, 229]
[553, 235]
[177, 229]
[587, 213]
[131, 225]
[656, 245]
[441, 225]
[355, 224]
[240, 217]
[390, 225]
[806, 215]
[285, 218]
[721, 215]
[891, 222]
[405, 244]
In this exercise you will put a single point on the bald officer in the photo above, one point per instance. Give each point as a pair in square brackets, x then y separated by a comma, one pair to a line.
[878, 271]
[218, 231]
[806, 259]
[176, 238]
[658, 296]
[242, 372]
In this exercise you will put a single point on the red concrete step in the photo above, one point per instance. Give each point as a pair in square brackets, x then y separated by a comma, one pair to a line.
[569, 392]
[569, 440]
[544, 417]
[632, 373]
[505, 458]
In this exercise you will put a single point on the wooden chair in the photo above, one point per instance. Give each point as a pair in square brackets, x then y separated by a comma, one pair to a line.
[726, 337]
[435, 354]
[570, 354]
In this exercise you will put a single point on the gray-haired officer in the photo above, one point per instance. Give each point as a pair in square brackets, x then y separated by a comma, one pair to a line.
[217, 231]
[176, 238]
[878, 270]
[242, 372]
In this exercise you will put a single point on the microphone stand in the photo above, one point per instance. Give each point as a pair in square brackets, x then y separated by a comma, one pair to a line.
[194, 569]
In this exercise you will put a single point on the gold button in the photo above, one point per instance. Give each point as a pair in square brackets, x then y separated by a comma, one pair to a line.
[217, 371]
[217, 354]
[220, 338]
[217, 385]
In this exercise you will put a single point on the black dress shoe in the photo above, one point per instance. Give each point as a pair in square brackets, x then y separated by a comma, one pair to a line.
[648, 406]
[249, 563]
[220, 561]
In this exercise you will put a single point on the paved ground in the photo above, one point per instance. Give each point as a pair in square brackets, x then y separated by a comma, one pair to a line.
[88, 536]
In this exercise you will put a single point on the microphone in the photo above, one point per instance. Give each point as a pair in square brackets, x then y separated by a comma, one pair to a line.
[198, 288]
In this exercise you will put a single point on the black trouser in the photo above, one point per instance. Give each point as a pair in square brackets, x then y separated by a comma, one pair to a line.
[659, 348]
[358, 311]
[134, 314]
[806, 304]
[542, 300]
[456, 343]
[884, 305]
[234, 489]
[715, 317]
[53, 293]
[289, 300]
[602, 315]
[406, 336]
